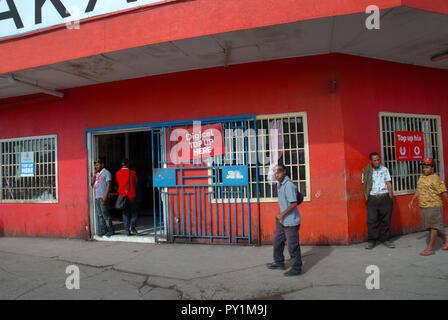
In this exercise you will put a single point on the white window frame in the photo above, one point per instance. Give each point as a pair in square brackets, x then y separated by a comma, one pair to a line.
[56, 200]
[438, 132]
[307, 182]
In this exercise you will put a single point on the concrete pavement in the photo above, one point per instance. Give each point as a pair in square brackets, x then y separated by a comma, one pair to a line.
[35, 268]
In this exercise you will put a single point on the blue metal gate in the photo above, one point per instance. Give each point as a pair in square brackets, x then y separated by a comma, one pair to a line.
[200, 200]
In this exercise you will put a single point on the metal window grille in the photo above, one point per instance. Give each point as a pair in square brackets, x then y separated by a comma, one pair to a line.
[286, 135]
[405, 174]
[279, 139]
[237, 152]
[35, 181]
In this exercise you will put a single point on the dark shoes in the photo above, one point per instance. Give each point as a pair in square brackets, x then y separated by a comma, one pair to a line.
[370, 245]
[280, 266]
[131, 232]
[292, 273]
[275, 265]
[389, 244]
[110, 233]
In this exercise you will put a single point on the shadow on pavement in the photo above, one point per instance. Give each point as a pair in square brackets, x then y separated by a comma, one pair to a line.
[313, 256]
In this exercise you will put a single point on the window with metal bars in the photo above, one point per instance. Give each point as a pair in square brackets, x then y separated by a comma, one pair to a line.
[28, 170]
[405, 174]
[278, 139]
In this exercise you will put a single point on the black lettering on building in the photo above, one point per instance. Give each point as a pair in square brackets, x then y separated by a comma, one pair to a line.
[12, 14]
[91, 5]
[62, 10]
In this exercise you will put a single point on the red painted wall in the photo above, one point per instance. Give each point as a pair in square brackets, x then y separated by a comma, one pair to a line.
[342, 128]
[293, 85]
[440, 6]
[69, 217]
[367, 88]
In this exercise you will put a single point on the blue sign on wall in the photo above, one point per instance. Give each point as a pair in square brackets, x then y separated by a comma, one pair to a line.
[164, 177]
[27, 164]
[235, 175]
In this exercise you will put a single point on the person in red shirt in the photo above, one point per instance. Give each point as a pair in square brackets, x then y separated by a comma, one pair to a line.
[130, 213]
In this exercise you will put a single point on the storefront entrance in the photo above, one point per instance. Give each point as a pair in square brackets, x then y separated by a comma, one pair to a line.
[137, 146]
[194, 179]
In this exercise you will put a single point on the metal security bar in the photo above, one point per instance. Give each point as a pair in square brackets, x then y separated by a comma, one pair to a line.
[405, 174]
[186, 189]
[282, 139]
[276, 139]
[28, 170]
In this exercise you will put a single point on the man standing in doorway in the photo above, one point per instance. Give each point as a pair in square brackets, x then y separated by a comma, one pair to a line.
[101, 182]
[130, 213]
[287, 225]
[379, 201]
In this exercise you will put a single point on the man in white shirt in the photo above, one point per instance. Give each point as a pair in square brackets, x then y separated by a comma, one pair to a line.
[379, 201]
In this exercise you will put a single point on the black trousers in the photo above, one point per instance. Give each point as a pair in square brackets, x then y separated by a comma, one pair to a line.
[291, 235]
[379, 214]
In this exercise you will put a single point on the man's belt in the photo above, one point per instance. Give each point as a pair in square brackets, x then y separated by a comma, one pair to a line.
[379, 195]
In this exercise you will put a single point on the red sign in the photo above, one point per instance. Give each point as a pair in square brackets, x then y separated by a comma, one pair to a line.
[409, 145]
[197, 142]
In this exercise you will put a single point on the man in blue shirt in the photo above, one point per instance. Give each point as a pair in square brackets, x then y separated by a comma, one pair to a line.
[101, 183]
[287, 225]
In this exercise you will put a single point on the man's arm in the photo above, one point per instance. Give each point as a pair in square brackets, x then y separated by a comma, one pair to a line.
[93, 179]
[290, 208]
[445, 195]
[362, 180]
[389, 183]
[389, 188]
[106, 194]
[413, 199]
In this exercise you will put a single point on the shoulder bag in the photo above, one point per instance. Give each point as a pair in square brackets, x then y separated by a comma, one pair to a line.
[120, 204]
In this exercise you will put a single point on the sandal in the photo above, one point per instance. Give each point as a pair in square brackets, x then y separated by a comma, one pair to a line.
[427, 253]
[445, 246]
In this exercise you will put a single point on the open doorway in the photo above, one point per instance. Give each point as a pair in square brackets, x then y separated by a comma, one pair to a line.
[137, 147]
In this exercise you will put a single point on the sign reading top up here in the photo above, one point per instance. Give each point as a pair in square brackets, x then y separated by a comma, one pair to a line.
[19, 17]
[27, 164]
[196, 142]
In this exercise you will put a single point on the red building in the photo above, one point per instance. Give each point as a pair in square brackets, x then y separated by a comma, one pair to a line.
[327, 82]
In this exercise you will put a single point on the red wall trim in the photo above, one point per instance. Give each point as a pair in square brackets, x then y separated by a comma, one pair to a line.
[181, 20]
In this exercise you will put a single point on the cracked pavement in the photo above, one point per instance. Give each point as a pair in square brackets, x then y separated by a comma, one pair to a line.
[35, 268]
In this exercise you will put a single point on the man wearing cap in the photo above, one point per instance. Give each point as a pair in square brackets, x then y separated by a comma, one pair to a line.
[287, 225]
[430, 189]
[101, 182]
[378, 194]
